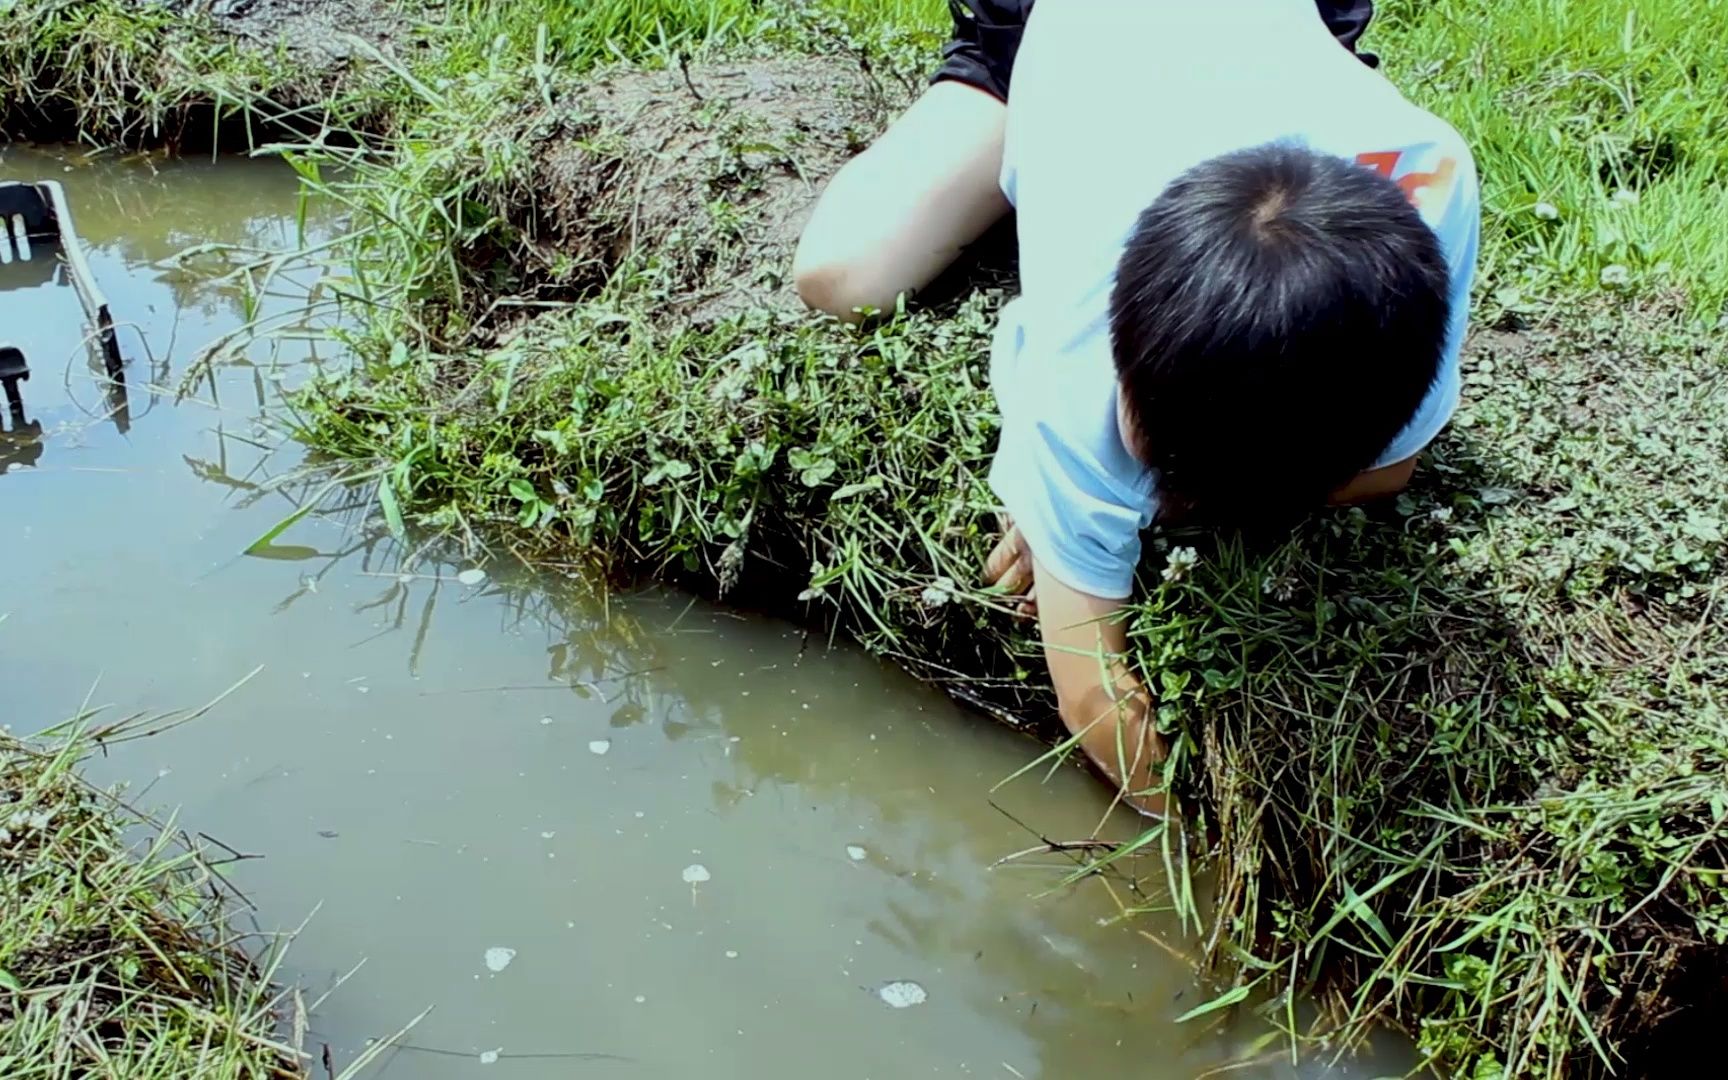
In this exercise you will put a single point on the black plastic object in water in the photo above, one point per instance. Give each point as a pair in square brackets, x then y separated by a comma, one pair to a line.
[14, 369]
[36, 215]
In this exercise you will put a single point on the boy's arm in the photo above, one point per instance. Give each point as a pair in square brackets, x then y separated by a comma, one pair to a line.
[1101, 699]
[1085, 647]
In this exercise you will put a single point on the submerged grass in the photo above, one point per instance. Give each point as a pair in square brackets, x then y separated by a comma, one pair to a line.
[1458, 761]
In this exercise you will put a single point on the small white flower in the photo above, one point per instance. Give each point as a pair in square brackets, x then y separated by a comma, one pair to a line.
[1181, 561]
[938, 592]
[1547, 211]
[1278, 588]
[1623, 198]
[1616, 275]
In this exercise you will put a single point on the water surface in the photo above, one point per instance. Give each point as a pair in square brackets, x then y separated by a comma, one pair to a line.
[629, 836]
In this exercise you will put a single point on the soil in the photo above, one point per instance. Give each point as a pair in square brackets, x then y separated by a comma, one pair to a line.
[314, 32]
[703, 175]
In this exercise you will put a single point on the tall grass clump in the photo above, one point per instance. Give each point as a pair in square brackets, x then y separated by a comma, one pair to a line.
[117, 953]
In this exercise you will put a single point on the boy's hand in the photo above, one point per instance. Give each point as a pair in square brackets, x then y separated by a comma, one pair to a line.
[1009, 568]
[1118, 732]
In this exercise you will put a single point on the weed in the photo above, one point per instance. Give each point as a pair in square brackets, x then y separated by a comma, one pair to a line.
[117, 957]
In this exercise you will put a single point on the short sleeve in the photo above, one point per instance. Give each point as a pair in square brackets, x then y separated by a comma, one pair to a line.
[1063, 474]
[1456, 219]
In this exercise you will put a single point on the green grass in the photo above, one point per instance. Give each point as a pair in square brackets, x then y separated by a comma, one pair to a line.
[131, 73]
[117, 953]
[1568, 103]
[1458, 763]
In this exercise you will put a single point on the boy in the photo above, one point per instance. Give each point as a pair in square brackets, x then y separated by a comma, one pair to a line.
[1245, 264]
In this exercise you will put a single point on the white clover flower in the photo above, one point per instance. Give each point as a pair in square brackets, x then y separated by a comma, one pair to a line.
[1180, 562]
[1616, 275]
[1547, 211]
[1278, 587]
[938, 592]
[1624, 197]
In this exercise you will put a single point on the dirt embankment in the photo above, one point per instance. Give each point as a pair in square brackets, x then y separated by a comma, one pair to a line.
[314, 32]
[702, 176]
[196, 74]
[693, 181]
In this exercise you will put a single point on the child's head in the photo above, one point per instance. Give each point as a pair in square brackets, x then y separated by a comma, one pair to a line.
[1277, 318]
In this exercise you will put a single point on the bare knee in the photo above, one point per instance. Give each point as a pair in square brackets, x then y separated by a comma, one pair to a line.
[837, 287]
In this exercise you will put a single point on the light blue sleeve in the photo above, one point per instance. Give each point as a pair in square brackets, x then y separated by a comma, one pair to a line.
[1078, 525]
[1459, 227]
[1061, 469]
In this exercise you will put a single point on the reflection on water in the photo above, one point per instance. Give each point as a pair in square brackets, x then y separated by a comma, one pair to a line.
[631, 836]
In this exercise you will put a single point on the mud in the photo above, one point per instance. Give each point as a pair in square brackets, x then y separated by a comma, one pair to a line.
[311, 32]
[702, 175]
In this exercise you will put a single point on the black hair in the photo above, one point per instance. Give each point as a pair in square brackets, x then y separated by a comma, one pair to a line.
[1278, 315]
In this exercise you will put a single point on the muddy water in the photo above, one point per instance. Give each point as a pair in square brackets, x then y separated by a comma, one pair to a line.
[633, 836]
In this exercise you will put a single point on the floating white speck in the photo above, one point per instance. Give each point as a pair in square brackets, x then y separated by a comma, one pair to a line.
[902, 994]
[498, 958]
[471, 576]
[640, 999]
[599, 746]
[856, 853]
[545, 721]
[731, 954]
[696, 874]
[547, 835]
[489, 1057]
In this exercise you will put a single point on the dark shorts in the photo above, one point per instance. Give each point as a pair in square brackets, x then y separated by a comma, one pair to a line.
[987, 37]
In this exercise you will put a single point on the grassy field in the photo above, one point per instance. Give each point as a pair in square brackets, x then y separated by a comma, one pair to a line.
[1457, 764]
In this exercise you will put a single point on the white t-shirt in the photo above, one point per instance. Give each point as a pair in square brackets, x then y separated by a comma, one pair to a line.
[1112, 100]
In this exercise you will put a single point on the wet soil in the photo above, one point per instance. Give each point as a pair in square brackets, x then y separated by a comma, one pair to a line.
[704, 174]
[316, 32]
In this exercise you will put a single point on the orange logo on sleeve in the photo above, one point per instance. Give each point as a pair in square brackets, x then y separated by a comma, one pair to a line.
[1416, 186]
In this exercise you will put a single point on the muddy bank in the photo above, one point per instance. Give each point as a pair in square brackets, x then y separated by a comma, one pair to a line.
[197, 74]
[701, 176]
[317, 33]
